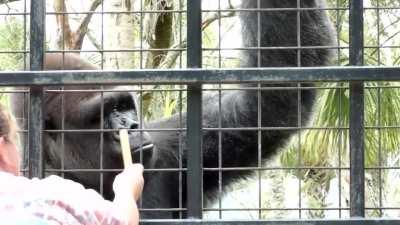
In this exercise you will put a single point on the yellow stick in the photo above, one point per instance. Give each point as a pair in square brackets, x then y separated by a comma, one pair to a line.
[125, 146]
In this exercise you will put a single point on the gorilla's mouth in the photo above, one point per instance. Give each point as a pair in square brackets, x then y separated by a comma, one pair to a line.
[138, 146]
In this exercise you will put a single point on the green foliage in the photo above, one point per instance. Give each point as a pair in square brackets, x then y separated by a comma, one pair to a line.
[162, 104]
[11, 39]
[326, 143]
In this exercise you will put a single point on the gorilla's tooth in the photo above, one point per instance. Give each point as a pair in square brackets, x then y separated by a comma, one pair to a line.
[147, 146]
[143, 148]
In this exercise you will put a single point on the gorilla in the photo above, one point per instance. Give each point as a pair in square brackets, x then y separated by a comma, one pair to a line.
[115, 108]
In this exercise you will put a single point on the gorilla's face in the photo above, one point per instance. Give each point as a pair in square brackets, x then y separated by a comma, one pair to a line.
[83, 130]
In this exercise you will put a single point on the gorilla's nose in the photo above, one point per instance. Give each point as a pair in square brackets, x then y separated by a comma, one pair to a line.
[129, 123]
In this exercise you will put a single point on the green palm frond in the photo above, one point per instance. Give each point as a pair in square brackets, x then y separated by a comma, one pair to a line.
[329, 132]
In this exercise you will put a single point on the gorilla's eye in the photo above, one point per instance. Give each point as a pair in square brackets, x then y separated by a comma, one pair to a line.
[95, 119]
[124, 106]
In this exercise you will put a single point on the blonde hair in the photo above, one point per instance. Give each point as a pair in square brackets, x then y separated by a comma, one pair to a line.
[8, 125]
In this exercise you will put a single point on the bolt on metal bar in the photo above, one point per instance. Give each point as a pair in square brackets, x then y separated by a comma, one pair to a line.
[194, 114]
[36, 124]
[357, 190]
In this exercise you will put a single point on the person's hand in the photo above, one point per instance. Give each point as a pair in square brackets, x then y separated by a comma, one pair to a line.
[128, 186]
[129, 182]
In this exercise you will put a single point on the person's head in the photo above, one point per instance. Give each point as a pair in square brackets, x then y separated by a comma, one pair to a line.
[9, 156]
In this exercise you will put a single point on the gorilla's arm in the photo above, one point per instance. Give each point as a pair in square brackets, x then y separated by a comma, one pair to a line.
[244, 108]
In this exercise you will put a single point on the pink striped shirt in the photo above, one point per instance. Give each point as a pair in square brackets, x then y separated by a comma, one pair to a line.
[54, 200]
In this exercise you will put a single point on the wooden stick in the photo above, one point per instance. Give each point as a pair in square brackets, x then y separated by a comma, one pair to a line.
[125, 146]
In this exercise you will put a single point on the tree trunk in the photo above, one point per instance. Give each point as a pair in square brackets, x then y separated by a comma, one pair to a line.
[66, 37]
[119, 34]
[159, 31]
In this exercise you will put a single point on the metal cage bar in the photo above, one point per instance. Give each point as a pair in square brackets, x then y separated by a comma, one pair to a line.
[36, 124]
[274, 222]
[356, 135]
[196, 76]
[194, 115]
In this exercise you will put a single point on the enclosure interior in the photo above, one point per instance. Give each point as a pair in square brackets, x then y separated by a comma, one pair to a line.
[307, 178]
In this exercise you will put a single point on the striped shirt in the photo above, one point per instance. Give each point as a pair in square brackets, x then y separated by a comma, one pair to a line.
[53, 200]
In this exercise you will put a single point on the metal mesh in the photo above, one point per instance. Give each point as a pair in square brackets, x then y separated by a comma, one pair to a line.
[310, 176]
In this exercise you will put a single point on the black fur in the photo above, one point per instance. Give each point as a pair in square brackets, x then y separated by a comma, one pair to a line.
[279, 108]
[239, 108]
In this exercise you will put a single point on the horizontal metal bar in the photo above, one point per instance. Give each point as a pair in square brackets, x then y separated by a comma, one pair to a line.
[111, 170]
[253, 209]
[205, 10]
[113, 130]
[206, 89]
[294, 208]
[121, 50]
[210, 169]
[274, 222]
[264, 209]
[218, 129]
[190, 76]
[207, 49]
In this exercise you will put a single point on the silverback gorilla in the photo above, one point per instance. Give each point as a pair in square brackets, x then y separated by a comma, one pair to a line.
[279, 108]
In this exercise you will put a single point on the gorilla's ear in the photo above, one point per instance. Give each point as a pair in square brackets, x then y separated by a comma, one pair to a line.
[66, 61]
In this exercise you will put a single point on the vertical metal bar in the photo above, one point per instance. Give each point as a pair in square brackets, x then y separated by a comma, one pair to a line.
[141, 35]
[141, 126]
[36, 110]
[194, 34]
[380, 165]
[220, 166]
[102, 36]
[63, 133]
[356, 33]
[357, 190]
[258, 33]
[37, 35]
[259, 124]
[180, 31]
[298, 37]
[24, 115]
[194, 114]
[25, 47]
[340, 110]
[259, 149]
[101, 157]
[180, 153]
[220, 190]
[101, 149]
[194, 161]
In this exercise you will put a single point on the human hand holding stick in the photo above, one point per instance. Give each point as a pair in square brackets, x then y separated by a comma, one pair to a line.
[134, 169]
[128, 185]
